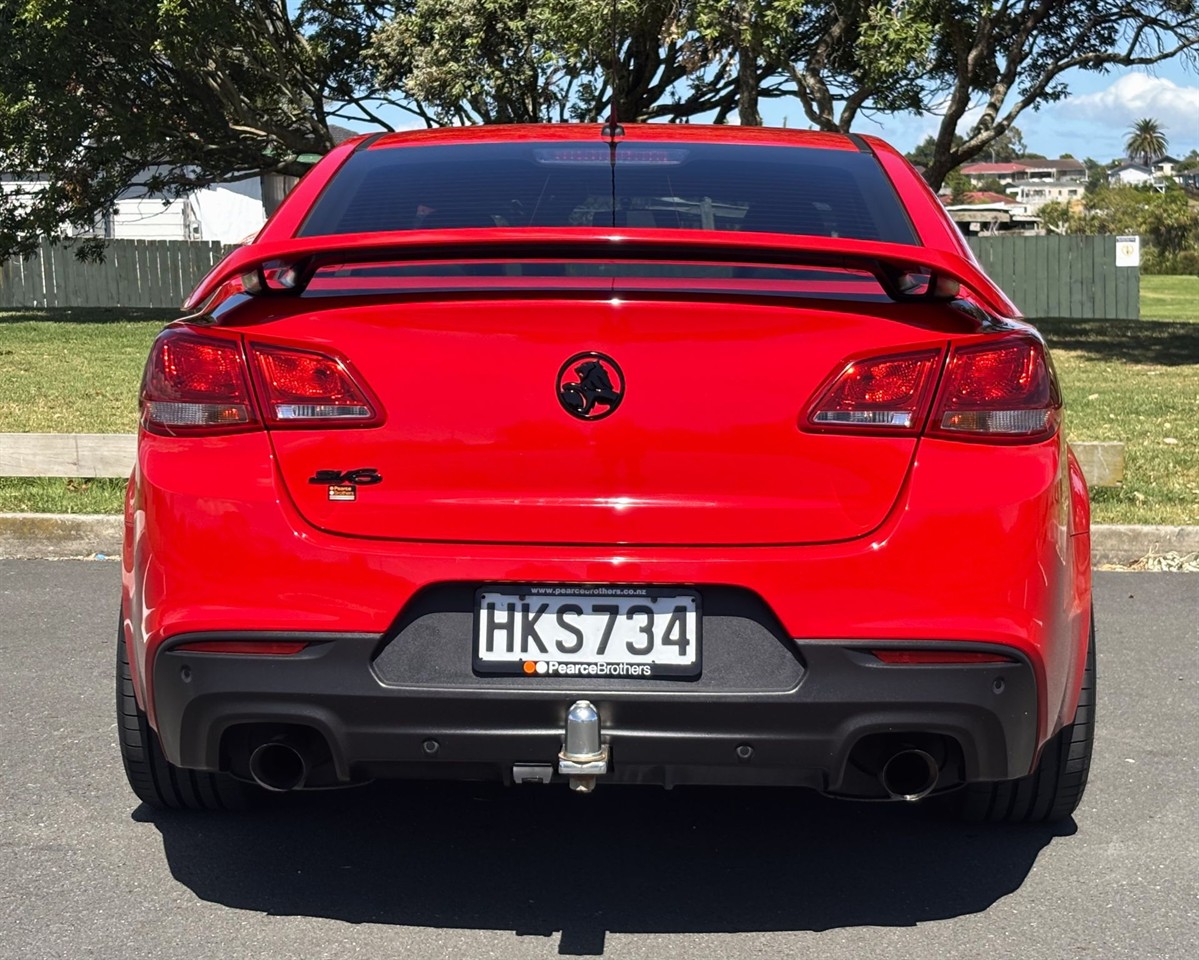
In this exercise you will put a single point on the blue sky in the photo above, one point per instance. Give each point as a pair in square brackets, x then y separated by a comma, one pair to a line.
[1091, 122]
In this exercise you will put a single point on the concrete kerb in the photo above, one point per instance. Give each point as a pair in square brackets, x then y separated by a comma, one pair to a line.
[1126, 543]
[55, 535]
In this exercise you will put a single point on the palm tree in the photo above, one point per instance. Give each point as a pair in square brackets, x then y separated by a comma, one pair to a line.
[1145, 141]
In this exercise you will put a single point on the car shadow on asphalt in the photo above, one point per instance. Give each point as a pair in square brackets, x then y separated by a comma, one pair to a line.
[538, 860]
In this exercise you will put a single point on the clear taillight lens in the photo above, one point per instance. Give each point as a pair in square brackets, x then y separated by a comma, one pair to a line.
[303, 388]
[885, 394]
[998, 391]
[195, 384]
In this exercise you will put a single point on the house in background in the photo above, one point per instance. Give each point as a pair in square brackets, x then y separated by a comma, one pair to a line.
[222, 212]
[1005, 173]
[998, 217]
[1021, 171]
[1034, 194]
[1165, 166]
[225, 212]
[1129, 174]
[1055, 171]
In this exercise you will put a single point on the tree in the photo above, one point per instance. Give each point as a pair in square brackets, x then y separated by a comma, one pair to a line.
[959, 185]
[923, 154]
[504, 61]
[1008, 146]
[1055, 215]
[1096, 174]
[92, 94]
[1146, 141]
[1166, 219]
[954, 57]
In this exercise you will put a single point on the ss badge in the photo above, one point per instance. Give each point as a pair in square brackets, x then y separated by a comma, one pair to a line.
[344, 485]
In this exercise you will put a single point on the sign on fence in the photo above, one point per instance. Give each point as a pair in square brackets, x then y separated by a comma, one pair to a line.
[1128, 251]
[134, 273]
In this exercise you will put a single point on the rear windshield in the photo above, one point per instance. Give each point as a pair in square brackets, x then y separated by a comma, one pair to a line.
[691, 186]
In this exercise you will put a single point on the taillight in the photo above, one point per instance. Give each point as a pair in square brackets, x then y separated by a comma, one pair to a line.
[199, 384]
[303, 388]
[885, 394]
[195, 384]
[998, 391]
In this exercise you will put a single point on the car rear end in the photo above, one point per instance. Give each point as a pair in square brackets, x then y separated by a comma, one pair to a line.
[717, 464]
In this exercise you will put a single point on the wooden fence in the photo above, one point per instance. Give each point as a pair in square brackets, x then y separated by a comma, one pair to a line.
[134, 273]
[1072, 276]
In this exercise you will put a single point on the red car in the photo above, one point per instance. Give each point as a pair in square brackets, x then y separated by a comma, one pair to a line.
[658, 455]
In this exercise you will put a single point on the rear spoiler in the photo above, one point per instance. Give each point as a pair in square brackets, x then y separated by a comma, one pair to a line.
[906, 273]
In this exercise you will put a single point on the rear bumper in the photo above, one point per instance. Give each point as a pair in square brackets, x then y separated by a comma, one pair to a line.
[823, 732]
[957, 562]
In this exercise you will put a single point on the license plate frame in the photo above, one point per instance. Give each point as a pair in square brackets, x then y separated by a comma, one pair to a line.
[581, 665]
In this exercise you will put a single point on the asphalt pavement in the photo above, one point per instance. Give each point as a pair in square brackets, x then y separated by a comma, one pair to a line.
[394, 871]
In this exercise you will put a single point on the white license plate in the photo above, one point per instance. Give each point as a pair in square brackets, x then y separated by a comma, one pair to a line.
[582, 632]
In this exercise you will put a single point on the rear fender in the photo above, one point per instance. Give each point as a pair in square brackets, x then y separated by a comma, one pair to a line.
[1080, 545]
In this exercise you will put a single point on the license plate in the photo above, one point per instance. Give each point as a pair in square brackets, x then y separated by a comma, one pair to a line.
[582, 632]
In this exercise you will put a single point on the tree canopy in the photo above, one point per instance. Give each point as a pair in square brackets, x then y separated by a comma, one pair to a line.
[1167, 221]
[202, 91]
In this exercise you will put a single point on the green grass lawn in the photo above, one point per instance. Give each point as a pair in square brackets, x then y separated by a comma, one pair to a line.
[76, 373]
[1133, 381]
[1170, 298]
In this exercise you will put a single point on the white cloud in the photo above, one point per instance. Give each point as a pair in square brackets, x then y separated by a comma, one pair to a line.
[1137, 95]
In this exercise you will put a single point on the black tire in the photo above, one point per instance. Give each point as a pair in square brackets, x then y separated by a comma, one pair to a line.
[1054, 790]
[157, 782]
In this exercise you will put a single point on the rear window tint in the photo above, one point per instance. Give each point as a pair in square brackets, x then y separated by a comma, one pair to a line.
[695, 186]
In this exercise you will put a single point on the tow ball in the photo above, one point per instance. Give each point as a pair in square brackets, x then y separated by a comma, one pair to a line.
[583, 756]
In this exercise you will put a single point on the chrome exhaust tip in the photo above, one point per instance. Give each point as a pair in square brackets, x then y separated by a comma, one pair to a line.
[278, 766]
[909, 774]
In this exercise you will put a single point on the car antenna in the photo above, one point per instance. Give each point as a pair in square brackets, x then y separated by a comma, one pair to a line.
[612, 129]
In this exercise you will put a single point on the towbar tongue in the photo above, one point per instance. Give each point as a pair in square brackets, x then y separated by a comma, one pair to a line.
[583, 756]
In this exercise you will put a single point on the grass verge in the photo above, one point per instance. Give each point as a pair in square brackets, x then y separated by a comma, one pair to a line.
[76, 371]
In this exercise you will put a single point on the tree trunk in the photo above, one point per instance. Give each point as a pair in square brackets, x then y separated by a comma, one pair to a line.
[747, 89]
[747, 70]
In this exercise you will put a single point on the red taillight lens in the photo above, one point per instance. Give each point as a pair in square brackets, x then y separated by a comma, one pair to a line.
[888, 394]
[301, 388]
[195, 384]
[998, 391]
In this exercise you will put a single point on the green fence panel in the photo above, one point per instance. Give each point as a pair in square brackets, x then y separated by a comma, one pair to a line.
[1054, 276]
